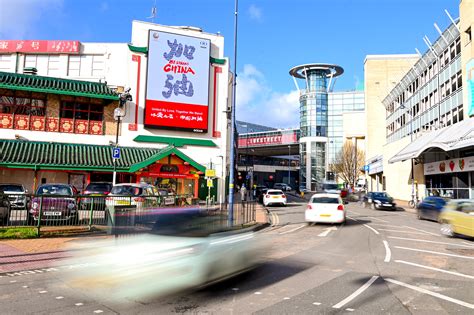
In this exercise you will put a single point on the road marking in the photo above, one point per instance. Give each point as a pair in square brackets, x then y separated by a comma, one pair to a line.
[388, 253]
[25, 286]
[258, 293]
[295, 229]
[43, 292]
[356, 293]
[350, 309]
[79, 304]
[316, 303]
[435, 269]
[467, 243]
[352, 218]
[409, 227]
[327, 231]
[286, 298]
[378, 219]
[98, 311]
[275, 218]
[398, 231]
[59, 297]
[426, 241]
[438, 295]
[431, 252]
[374, 230]
[352, 211]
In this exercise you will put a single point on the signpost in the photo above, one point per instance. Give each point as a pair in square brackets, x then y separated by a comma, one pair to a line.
[116, 153]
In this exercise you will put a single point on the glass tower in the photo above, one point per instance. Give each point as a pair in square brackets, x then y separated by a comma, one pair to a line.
[314, 120]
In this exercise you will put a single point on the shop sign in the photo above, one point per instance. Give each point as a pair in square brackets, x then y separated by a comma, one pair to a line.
[40, 46]
[450, 166]
[210, 173]
[273, 139]
[177, 88]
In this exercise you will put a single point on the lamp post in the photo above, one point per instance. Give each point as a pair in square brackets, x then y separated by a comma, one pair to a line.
[410, 112]
[289, 163]
[119, 113]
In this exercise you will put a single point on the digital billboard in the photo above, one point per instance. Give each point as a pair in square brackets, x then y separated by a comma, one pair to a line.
[177, 89]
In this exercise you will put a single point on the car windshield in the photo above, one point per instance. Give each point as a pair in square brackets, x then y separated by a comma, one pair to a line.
[380, 195]
[330, 187]
[55, 190]
[12, 188]
[127, 190]
[325, 200]
[275, 192]
[99, 187]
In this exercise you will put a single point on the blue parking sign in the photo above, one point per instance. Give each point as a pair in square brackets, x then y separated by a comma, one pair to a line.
[116, 153]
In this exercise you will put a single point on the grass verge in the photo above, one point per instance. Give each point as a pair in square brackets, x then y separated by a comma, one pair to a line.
[18, 233]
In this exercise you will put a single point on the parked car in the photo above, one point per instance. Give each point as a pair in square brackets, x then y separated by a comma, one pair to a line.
[166, 199]
[379, 200]
[274, 196]
[457, 217]
[282, 186]
[260, 192]
[4, 208]
[325, 208]
[97, 190]
[17, 194]
[139, 196]
[56, 202]
[430, 208]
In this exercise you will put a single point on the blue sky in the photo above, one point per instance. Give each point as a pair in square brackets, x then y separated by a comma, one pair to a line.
[274, 35]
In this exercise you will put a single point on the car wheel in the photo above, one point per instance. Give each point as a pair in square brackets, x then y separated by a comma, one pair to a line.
[447, 229]
[418, 215]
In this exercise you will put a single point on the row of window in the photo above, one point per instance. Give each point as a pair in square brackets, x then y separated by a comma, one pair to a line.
[443, 60]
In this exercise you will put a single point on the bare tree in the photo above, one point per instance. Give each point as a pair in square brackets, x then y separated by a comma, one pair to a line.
[348, 163]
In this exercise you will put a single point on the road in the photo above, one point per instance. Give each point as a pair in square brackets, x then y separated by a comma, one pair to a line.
[377, 262]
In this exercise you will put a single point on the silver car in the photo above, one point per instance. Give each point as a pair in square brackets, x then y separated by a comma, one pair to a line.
[17, 195]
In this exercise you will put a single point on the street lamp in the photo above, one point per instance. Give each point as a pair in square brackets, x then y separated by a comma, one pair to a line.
[289, 163]
[411, 140]
[119, 113]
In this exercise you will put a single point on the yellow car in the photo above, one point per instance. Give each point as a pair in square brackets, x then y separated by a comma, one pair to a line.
[458, 218]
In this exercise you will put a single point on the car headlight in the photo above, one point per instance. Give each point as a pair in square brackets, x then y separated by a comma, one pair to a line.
[71, 206]
[35, 205]
[377, 201]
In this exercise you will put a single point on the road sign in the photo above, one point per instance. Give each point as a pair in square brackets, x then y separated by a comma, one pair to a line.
[116, 153]
[210, 183]
[210, 173]
[366, 168]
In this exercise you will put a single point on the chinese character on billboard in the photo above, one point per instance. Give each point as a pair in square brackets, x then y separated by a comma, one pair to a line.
[40, 46]
[177, 95]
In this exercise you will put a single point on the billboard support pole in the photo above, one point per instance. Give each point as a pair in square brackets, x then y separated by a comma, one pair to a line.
[232, 123]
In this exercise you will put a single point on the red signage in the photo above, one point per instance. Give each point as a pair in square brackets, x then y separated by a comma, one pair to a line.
[40, 46]
[275, 139]
[176, 115]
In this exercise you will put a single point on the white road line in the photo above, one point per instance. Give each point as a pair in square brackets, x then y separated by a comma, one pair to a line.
[352, 211]
[378, 219]
[383, 224]
[356, 293]
[293, 230]
[374, 230]
[426, 241]
[316, 303]
[398, 231]
[350, 309]
[388, 253]
[468, 243]
[435, 269]
[327, 231]
[438, 295]
[430, 233]
[431, 252]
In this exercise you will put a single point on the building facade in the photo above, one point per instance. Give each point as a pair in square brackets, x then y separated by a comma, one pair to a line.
[66, 93]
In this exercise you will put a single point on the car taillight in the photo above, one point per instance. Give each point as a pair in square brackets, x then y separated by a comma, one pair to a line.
[106, 192]
[109, 198]
[283, 196]
[309, 207]
[340, 207]
[267, 196]
[139, 199]
[86, 192]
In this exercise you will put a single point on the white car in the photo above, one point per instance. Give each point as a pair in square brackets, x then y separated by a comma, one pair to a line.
[325, 208]
[274, 196]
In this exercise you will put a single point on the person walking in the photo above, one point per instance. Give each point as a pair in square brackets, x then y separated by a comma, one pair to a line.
[243, 194]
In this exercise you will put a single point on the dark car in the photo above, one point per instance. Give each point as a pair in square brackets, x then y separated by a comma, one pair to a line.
[379, 200]
[56, 202]
[4, 208]
[260, 192]
[96, 191]
[430, 208]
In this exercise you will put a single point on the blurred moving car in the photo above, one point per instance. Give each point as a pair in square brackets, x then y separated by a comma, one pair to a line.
[379, 200]
[4, 208]
[457, 217]
[325, 208]
[98, 190]
[282, 186]
[183, 250]
[55, 201]
[17, 194]
[330, 187]
[430, 208]
[274, 196]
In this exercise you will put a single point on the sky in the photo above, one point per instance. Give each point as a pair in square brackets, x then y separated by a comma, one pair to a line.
[273, 36]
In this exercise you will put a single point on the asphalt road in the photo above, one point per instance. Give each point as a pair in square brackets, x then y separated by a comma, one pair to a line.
[377, 262]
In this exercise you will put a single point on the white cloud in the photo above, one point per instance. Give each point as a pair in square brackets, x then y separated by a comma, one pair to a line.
[18, 18]
[258, 103]
[255, 13]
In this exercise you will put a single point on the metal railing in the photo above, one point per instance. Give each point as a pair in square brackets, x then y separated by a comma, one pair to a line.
[115, 214]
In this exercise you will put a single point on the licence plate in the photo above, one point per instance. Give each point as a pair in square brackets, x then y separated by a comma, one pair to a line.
[387, 204]
[52, 212]
[275, 197]
[123, 202]
[324, 215]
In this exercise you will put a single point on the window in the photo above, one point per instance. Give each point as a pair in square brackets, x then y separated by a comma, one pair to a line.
[84, 111]
[5, 63]
[22, 105]
[86, 66]
[468, 34]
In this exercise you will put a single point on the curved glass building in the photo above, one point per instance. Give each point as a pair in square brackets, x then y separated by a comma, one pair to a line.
[314, 120]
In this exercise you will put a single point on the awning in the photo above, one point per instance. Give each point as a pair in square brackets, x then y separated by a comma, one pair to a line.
[82, 157]
[36, 83]
[454, 137]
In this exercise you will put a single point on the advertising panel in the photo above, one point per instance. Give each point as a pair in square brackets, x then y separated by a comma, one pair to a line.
[177, 89]
[275, 138]
[450, 166]
[40, 46]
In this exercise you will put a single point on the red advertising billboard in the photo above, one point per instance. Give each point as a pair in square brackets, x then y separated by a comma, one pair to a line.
[40, 46]
[177, 88]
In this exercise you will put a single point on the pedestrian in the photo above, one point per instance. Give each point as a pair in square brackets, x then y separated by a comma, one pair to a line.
[243, 193]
